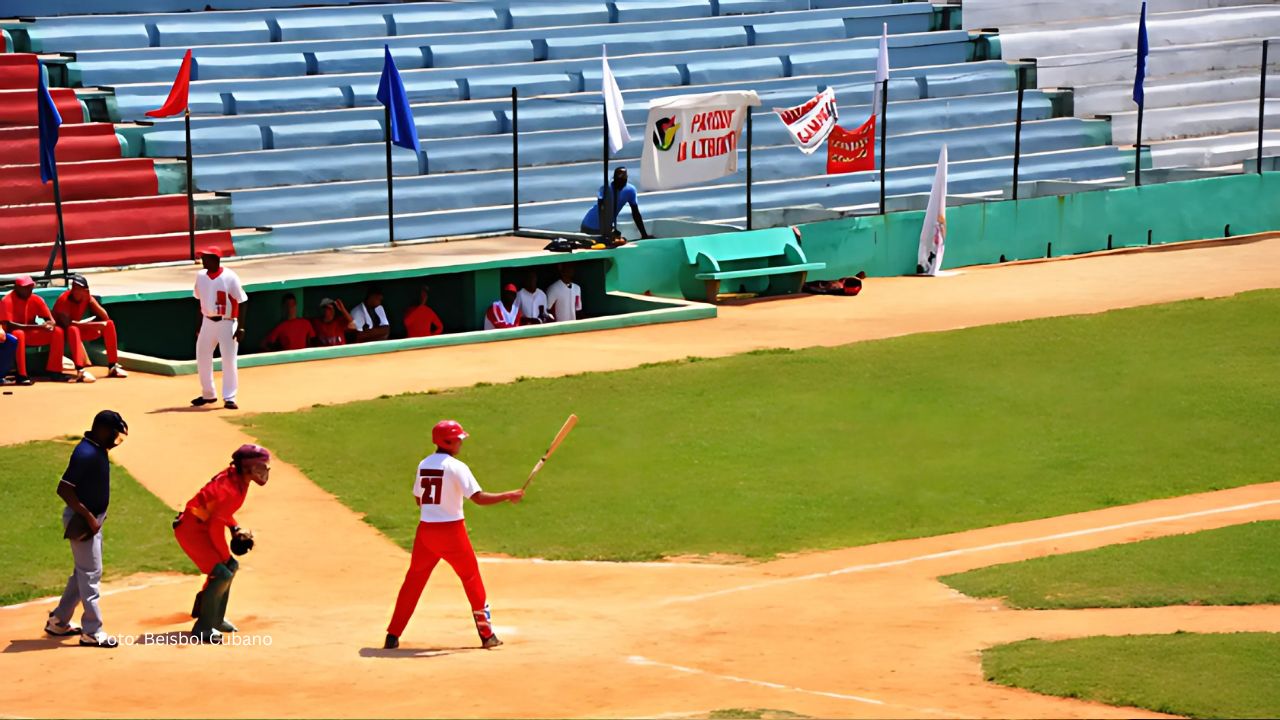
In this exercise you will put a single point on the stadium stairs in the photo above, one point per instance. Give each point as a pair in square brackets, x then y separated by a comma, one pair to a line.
[287, 132]
[1202, 73]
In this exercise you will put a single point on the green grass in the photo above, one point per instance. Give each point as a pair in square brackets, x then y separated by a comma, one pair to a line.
[773, 452]
[753, 714]
[36, 562]
[1229, 566]
[1203, 676]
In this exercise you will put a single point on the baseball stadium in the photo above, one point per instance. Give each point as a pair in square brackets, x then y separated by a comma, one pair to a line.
[702, 359]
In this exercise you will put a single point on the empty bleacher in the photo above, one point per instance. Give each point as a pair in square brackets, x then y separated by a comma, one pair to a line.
[287, 129]
[1202, 80]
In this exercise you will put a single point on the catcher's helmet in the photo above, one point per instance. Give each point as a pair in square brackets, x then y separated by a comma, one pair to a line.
[447, 431]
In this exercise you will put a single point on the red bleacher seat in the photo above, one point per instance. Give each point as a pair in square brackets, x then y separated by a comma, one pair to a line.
[93, 180]
[87, 141]
[113, 252]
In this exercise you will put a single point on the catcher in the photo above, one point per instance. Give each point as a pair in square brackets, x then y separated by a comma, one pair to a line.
[201, 530]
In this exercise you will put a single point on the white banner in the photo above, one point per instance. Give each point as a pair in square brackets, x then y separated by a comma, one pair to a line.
[811, 122]
[693, 138]
[933, 234]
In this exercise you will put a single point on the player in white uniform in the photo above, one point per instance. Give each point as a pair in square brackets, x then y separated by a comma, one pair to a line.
[221, 307]
[565, 296]
[441, 484]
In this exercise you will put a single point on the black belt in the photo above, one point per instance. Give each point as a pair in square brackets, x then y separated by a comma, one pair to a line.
[217, 318]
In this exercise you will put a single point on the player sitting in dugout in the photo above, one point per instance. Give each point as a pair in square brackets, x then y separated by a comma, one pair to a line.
[332, 325]
[293, 332]
[420, 320]
[532, 301]
[369, 318]
[504, 313]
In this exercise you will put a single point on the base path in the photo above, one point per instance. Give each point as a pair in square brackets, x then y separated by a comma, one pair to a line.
[863, 632]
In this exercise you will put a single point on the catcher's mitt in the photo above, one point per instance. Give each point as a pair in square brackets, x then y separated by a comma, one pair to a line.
[242, 542]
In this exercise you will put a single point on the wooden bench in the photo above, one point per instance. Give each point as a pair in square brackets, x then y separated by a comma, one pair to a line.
[774, 253]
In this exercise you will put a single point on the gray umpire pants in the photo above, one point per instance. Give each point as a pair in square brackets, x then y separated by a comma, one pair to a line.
[83, 585]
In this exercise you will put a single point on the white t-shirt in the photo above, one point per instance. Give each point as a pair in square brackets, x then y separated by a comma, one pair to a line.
[214, 293]
[360, 316]
[532, 304]
[565, 299]
[441, 485]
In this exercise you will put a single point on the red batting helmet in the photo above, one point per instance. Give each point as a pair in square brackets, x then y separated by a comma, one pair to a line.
[447, 431]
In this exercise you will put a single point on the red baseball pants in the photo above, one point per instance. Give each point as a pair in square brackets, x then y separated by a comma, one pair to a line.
[196, 542]
[80, 333]
[434, 542]
[50, 335]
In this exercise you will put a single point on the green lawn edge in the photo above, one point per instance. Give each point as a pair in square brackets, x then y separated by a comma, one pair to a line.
[1222, 675]
[137, 536]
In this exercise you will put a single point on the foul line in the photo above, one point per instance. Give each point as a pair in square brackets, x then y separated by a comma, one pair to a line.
[641, 660]
[966, 551]
[106, 593]
[610, 563]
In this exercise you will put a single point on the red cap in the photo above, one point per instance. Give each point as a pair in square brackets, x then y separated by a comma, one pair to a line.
[447, 431]
[510, 287]
[24, 281]
[213, 250]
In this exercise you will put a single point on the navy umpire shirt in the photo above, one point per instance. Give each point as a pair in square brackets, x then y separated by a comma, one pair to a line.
[89, 472]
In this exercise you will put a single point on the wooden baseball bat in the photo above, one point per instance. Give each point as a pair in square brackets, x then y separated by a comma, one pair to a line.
[560, 436]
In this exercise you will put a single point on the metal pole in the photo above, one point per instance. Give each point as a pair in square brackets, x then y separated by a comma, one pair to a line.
[59, 242]
[191, 197]
[1262, 102]
[391, 202]
[515, 164]
[606, 206]
[1137, 148]
[884, 134]
[749, 138]
[1017, 129]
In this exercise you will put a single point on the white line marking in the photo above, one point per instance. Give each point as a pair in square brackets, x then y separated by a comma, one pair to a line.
[611, 563]
[105, 593]
[966, 551]
[641, 660]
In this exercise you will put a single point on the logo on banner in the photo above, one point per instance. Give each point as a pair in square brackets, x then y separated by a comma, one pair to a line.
[811, 122]
[664, 133]
[852, 151]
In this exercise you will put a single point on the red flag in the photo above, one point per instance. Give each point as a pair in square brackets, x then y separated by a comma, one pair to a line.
[852, 151]
[177, 102]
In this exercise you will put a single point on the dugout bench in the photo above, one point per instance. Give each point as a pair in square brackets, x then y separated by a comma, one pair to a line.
[769, 262]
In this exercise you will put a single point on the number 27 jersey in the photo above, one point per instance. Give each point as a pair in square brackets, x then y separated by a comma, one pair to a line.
[441, 485]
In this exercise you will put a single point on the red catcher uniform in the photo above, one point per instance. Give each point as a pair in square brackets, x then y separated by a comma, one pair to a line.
[202, 531]
[25, 312]
[441, 484]
[79, 333]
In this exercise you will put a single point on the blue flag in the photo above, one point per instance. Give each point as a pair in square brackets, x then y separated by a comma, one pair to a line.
[49, 121]
[1141, 74]
[391, 93]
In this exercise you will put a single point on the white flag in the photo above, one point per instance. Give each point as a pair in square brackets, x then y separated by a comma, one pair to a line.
[933, 235]
[811, 122]
[693, 139]
[882, 69]
[618, 135]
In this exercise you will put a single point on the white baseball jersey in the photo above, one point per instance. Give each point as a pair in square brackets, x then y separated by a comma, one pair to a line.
[441, 485]
[566, 300]
[363, 321]
[216, 292]
[531, 304]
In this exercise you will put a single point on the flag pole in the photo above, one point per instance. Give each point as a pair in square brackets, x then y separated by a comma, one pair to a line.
[191, 198]
[515, 164]
[1139, 94]
[884, 134]
[391, 202]
[1137, 148]
[749, 138]
[60, 242]
[607, 202]
[1262, 103]
[1017, 129]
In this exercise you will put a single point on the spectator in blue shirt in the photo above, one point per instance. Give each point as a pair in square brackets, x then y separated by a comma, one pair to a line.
[621, 193]
[86, 490]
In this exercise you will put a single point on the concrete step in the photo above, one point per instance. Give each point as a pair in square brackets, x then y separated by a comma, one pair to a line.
[1173, 91]
[1012, 14]
[1214, 151]
[1118, 66]
[1193, 122]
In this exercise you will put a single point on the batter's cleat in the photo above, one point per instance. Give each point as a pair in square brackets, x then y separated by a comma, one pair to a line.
[490, 642]
[231, 405]
[84, 376]
[206, 636]
[98, 639]
[226, 626]
[115, 371]
[391, 643]
[57, 628]
[203, 401]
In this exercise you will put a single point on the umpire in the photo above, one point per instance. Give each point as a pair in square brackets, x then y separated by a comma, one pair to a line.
[86, 489]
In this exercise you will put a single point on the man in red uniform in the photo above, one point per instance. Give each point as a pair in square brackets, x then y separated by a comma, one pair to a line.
[293, 333]
[201, 530]
[68, 313]
[441, 484]
[32, 324]
[420, 320]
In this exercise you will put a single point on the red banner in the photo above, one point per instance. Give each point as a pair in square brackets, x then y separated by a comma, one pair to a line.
[852, 150]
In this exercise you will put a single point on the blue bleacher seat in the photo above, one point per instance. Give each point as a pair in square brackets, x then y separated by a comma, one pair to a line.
[560, 13]
[489, 53]
[366, 60]
[642, 10]
[734, 70]
[795, 32]
[201, 31]
[321, 27]
[420, 19]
